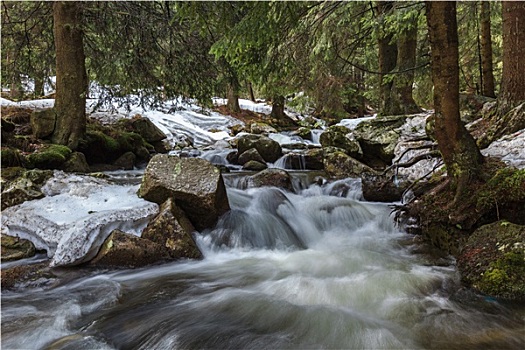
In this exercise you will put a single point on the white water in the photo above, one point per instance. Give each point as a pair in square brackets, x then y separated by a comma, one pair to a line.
[318, 269]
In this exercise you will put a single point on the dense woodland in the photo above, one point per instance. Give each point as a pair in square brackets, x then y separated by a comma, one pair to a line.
[346, 58]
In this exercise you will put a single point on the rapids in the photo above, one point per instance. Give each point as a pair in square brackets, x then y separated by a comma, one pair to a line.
[316, 269]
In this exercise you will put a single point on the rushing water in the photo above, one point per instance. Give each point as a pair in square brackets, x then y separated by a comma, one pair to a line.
[318, 269]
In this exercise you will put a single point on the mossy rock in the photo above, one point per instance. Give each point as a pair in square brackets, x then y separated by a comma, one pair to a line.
[99, 147]
[49, 157]
[19, 185]
[14, 248]
[336, 136]
[339, 165]
[10, 157]
[493, 260]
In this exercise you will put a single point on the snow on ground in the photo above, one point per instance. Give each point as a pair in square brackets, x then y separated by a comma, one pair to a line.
[353, 123]
[76, 216]
[509, 148]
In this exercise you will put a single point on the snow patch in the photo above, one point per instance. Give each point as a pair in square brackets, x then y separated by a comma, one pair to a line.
[509, 148]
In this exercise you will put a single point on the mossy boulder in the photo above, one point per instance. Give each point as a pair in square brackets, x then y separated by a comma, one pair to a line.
[269, 149]
[262, 128]
[378, 138]
[339, 165]
[254, 165]
[145, 128]
[11, 157]
[340, 136]
[77, 163]
[99, 147]
[493, 260]
[49, 157]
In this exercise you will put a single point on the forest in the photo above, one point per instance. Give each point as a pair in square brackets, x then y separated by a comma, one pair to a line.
[195, 158]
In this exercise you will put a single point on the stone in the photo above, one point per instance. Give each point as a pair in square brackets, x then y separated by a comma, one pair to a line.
[254, 165]
[493, 260]
[77, 163]
[37, 275]
[172, 229]
[49, 157]
[124, 250]
[304, 132]
[43, 122]
[340, 165]
[314, 159]
[378, 138]
[126, 161]
[25, 187]
[145, 128]
[269, 149]
[14, 248]
[271, 177]
[195, 184]
[251, 154]
[339, 136]
[262, 128]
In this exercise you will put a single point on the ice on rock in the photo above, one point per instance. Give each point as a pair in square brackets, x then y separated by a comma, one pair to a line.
[76, 216]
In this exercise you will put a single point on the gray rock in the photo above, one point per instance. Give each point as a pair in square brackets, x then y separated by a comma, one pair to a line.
[145, 128]
[195, 184]
[251, 154]
[340, 165]
[126, 161]
[269, 149]
[77, 163]
[173, 230]
[272, 177]
[340, 136]
[14, 248]
[25, 187]
[262, 128]
[124, 250]
[254, 165]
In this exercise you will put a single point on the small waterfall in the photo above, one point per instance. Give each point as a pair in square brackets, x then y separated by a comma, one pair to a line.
[291, 161]
[315, 135]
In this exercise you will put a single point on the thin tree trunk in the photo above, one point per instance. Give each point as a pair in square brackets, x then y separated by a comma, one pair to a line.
[486, 51]
[39, 84]
[513, 79]
[402, 99]
[460, 153]
[250, 91]
[71, 78]
[387, 58]
[278, 107]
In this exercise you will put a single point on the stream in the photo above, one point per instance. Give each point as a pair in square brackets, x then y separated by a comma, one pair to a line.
[316, 269]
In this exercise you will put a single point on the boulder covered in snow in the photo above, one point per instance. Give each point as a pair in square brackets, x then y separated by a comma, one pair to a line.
[76, 216]
[195, 185]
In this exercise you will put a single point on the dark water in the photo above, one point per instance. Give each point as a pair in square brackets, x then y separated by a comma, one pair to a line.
[319, 269]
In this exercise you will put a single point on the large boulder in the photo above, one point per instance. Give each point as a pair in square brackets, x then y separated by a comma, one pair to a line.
[493, 260]
[173, 230]
[77, 163]
[269, 149]
[122, 249]
[272, 177]
[340, 165]
[378, 138]
[49, 157]
[341, 137]
[251, 154]
[381, 188]
[145, 128]
[195, 184]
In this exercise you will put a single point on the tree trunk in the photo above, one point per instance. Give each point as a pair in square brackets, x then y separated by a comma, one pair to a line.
[71, 78]
[402, 101]
[233, 96]
[387, 58]
[278, 108]
[486, 52]
[513, 79]
[458, 148]
[250, 90]
[39, 85]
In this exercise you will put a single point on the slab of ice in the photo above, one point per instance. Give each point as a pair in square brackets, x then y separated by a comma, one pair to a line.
[76, 216]
[509, 148]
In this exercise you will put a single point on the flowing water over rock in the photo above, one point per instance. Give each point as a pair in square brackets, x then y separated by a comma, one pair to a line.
[315, 269]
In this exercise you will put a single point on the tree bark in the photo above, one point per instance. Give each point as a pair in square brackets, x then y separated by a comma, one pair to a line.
[71, 77]
[460, 153]
[387, 52]
[250, 91]
[278, 107]
[513, 78]
[233, 96]
[486, 51]
[402, 101]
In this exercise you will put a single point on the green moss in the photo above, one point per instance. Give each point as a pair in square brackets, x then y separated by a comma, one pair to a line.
[49, 157]
[505, 277]
[10, 157]
[129, 141]
[507, 185]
